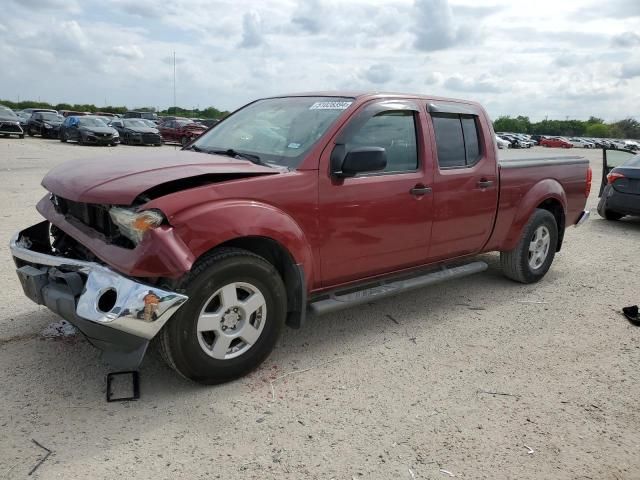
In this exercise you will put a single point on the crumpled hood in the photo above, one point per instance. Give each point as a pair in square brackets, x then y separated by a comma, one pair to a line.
[120, 179]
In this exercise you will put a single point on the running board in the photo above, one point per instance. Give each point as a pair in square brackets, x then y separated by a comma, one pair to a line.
[338, 302]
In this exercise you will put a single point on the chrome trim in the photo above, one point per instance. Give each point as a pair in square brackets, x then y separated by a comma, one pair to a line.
[139, 309]
[584, 216]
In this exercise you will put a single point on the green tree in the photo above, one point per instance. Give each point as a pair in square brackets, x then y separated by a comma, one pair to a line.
[597, 130]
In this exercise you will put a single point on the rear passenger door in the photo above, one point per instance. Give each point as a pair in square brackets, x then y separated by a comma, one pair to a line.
[465, 185]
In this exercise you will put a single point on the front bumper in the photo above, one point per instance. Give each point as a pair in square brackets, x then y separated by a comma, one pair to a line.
[117, 314]
[11, 128]
[100, 139]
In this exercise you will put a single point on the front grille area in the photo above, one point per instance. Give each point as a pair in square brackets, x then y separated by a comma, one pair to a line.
[151, 138]
[94, 216]
[10, 127]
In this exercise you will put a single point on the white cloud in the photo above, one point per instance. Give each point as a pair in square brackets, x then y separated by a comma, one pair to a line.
[514, 60]
[251, 30]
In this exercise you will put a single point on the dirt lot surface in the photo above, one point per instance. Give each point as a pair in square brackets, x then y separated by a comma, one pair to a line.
[399, 389]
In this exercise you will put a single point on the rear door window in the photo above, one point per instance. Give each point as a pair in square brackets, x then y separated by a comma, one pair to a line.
[457, 140]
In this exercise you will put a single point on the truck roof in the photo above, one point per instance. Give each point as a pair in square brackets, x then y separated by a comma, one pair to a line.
[364, 95]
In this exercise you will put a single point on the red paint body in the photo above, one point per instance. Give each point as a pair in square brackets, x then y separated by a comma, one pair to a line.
[340, 230]
[555, 142]
[175, 131]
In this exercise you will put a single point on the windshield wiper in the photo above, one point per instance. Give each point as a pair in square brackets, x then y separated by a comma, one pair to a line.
[195, 148]
[230, 152]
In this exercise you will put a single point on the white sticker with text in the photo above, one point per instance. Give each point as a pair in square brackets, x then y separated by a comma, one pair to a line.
[330, 106]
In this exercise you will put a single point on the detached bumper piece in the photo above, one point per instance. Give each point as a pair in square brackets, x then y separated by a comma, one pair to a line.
[117, 314]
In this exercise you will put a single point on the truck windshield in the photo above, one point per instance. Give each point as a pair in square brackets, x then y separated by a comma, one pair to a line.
[279, 131]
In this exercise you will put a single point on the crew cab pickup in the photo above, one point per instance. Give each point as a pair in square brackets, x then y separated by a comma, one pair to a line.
[292, 205]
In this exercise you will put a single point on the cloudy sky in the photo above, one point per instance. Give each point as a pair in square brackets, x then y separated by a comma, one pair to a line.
[544, 58]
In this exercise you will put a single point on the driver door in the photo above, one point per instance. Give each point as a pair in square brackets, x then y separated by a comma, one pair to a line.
[376, 222]
[612, 158]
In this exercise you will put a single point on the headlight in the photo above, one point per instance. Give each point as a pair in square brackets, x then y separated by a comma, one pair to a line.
[134, 225]
[46, 125]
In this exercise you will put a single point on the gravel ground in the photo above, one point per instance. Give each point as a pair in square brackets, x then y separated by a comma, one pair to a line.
[395, 390]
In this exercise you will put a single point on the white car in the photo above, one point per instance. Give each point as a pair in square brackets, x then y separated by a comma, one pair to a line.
[502, 143]
[581, 143]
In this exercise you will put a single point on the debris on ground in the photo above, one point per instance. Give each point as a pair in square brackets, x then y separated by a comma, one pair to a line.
[37, 465]
[632, 314]
[446, 472]
[530, 450]
[59, 329]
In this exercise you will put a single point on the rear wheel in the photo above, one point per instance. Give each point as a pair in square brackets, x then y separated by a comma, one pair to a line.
[232, 320]
[532, 257]
[63, 136]
[184, 141]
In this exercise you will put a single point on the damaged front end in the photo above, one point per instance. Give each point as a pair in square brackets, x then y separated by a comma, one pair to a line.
[117, 314]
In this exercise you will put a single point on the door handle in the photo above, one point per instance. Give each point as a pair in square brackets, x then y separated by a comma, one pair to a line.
[484, 183]
[420, 190]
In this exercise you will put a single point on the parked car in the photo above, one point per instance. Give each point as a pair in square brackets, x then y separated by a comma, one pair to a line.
[72, 113]
[290, 205]
[148, 123]
[559, 142]
[620, 191]
[136, 131]
[581, 143]
[23, 117]
[180, 131]
[30, 111]
[515, 142]
[9, 123]
[208, 122]
[153, 116]
[87, 129]
[502, 143]
[524, 140]
[44, 123]
[631, 145]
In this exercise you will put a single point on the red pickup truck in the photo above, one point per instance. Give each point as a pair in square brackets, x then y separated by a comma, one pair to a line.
[293, 204]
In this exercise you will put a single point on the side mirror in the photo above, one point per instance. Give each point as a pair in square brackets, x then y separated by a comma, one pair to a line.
[362, 160]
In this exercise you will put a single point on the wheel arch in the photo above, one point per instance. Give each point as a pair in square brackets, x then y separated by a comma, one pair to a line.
[548, 194]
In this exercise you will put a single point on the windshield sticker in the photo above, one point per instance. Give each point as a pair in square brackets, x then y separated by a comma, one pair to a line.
[293, 145]
[330, 106]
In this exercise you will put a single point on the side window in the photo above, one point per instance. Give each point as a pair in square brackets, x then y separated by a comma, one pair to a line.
[395, 131]
[457, 140]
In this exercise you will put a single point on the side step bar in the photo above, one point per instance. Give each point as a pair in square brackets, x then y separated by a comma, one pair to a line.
[336, 301]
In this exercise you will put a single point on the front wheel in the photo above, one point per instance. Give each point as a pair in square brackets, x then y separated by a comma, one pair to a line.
[232, 320]
[184, 141]
[532, 257]
[63, 136]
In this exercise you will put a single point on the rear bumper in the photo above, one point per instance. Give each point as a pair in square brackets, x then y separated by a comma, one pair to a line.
[117, 314]
[582, 218]
[623, 203]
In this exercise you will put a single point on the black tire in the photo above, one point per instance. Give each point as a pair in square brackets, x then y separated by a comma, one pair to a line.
[21, 136]
[63, 136]
[515, 263]
[5, 135]
[179, 341]
[30, 132]
[184, 141]
[80, 140]
[612, 216]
